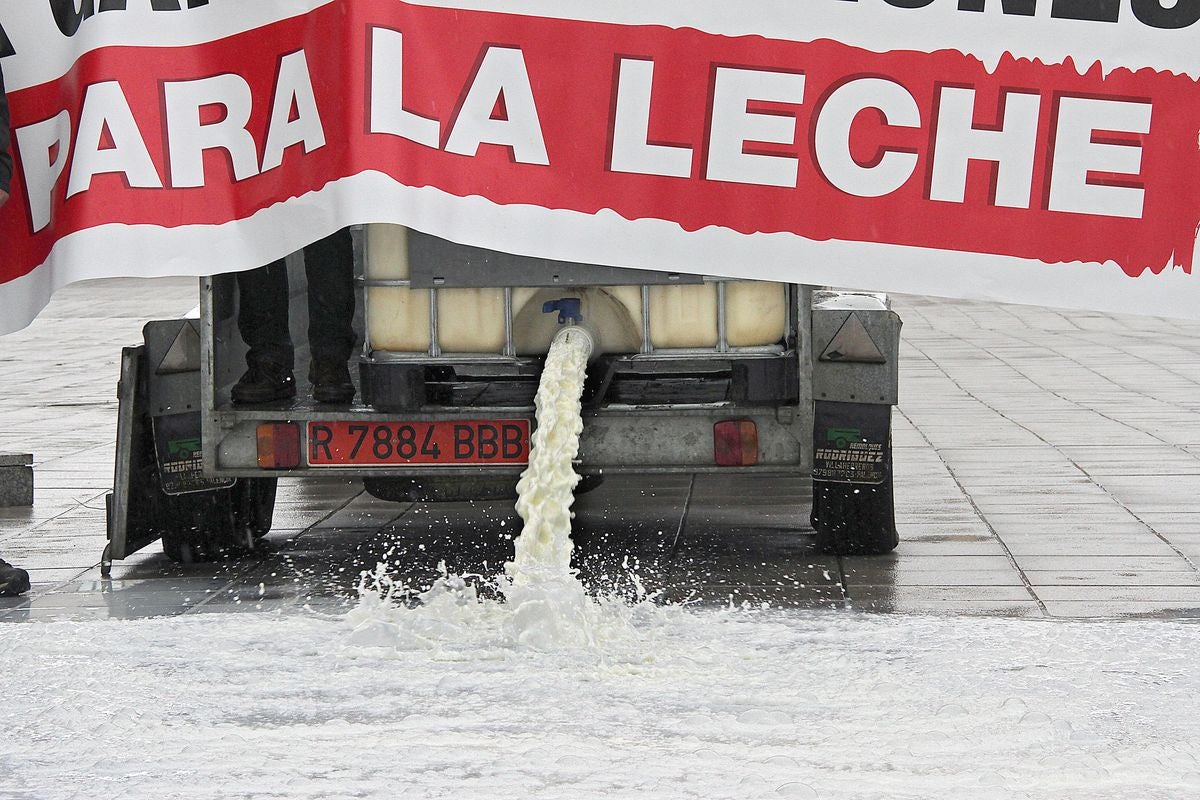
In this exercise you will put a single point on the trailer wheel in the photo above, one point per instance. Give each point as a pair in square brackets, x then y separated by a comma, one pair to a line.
[180, 550]
[254, 505]
[853, 519]
[203, 527]
[190, 546]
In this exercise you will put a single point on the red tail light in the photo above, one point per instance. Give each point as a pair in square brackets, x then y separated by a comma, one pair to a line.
[735, 443]
[278, 445]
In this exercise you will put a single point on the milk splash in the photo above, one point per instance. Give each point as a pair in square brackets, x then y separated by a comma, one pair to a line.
[547, 606]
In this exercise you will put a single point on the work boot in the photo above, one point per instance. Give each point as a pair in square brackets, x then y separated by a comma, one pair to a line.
[262, 384]
[13, 580]
[331, 382]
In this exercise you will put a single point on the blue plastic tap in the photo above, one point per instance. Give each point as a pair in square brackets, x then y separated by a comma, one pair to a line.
[569, 309]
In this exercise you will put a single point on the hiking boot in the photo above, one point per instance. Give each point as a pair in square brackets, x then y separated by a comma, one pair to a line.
[263, 385]
[331, 382]
[13, 580]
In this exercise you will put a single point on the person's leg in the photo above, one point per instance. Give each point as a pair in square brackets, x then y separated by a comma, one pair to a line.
[263, 324]
[13, 580]
[329, 265]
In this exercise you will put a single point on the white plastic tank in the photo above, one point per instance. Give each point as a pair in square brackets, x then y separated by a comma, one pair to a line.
[397, 317]
[472, 320]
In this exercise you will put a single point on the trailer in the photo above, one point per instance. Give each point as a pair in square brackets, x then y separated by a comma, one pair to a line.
[690, 373]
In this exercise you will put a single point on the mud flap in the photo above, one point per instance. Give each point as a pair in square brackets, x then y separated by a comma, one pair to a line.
[129, 522]
[853, 509]
[159, 486]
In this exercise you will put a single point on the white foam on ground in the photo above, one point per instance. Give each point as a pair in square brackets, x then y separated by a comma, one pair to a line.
[667, 703]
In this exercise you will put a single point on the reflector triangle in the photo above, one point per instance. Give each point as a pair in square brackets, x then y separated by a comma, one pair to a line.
[184, 353]
[853, 343]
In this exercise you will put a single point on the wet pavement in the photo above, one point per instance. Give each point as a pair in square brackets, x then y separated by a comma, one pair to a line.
[1047, 465]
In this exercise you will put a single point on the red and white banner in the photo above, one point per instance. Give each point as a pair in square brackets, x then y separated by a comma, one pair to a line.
[1040, 151]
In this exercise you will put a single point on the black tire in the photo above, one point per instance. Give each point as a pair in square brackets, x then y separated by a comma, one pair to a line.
[203, 527]
[254, 505]
[208, 526]
[182, 550]
[854, 519]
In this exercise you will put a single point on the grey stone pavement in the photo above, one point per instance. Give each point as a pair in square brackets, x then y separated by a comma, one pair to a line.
[1047, 465]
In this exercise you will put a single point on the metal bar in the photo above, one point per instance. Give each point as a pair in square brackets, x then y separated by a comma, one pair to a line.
[404, 283]
[435, 336]
[790, 300]
[250, 416]
[638, 469]
[760, 351]
[360, 286]
[392, 357]
[510, 346]
[647, 347]
[706, 352]
[722, 323]
[583, 469]
[683, 518]
[388, 283]
[208, 372]
[804, 352]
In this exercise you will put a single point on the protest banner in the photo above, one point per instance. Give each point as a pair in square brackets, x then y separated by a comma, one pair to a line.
[1040, 151]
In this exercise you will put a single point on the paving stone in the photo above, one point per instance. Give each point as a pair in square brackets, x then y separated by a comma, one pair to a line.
[1107, 578]
[951, 546]
[1123, 608]
[16, 480]
[1188, 595]
[956, 607]
[1085, 564]
[887, 592]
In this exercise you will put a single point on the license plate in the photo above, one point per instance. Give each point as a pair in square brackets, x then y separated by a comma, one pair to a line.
[461, 442]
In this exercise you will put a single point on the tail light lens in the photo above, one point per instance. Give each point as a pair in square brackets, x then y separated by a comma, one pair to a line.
[735, 443]
[278, 445]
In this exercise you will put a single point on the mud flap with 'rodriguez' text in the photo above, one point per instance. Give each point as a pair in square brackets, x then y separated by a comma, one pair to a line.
[853, 507]
[852, 443]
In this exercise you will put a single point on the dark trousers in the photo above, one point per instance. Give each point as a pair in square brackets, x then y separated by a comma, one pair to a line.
[263, 306]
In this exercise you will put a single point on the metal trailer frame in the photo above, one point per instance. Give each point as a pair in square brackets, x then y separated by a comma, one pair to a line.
[174, 391]
[645, 438]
